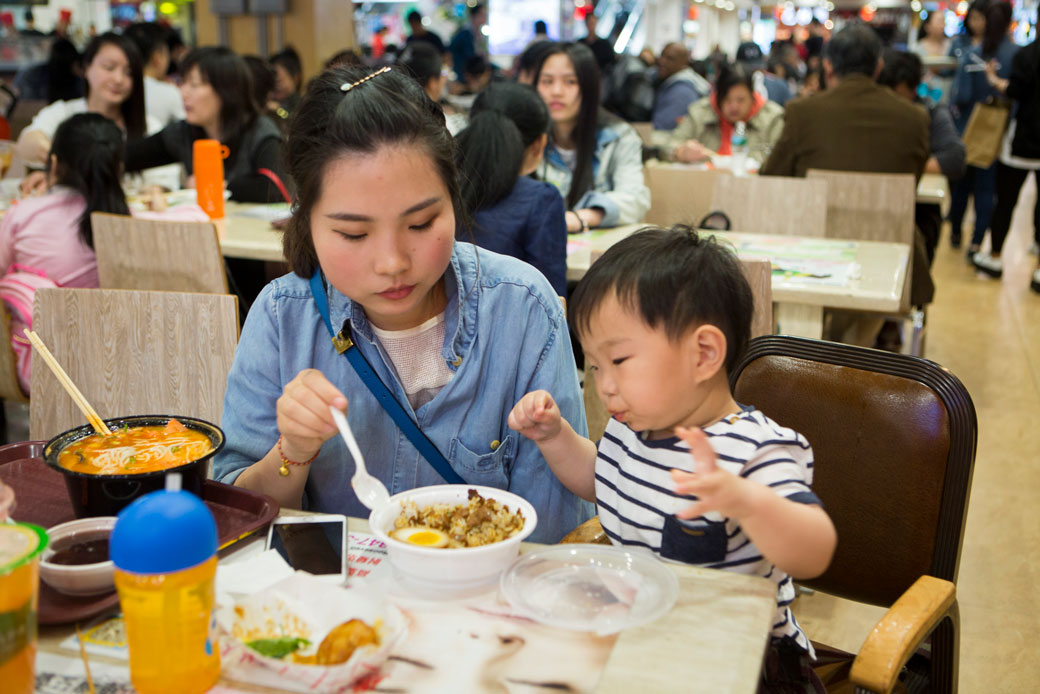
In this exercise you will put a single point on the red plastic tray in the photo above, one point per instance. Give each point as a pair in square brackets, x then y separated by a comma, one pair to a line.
[41, 497]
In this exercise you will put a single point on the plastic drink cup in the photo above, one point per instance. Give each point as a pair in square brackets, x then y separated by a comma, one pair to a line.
[21, 545]
[164, 548]
[208, 163]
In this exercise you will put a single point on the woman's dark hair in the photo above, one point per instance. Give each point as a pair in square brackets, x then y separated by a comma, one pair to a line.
[228, 74]
[87, 152]
[998, 19]
[347, 57]
[674, 280]
[531, 57]
[979, 6]
[133, 108]
[263, 78]
[422, 61]
[901, 67]
[732, 76]
[289, 59]
[590, 117]
[389, 109]
[63, 65]
[149, 37]
[505, 119]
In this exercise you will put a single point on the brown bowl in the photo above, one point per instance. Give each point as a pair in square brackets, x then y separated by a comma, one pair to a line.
[107, 495]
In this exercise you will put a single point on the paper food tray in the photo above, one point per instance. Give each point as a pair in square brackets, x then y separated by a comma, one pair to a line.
[305, 606]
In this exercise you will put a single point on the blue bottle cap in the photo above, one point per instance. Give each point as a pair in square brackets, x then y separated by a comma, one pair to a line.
[163, 532]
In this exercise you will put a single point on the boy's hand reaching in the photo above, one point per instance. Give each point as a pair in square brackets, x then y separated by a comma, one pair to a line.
[536, 416]
[716, 489]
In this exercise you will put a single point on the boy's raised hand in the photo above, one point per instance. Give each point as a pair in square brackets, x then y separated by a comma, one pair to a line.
[716, 489]
[536, 416]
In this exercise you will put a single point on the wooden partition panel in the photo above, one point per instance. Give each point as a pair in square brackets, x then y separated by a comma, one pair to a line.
[132, 353]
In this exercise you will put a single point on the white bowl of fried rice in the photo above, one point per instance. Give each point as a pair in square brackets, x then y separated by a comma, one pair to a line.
[483, 527]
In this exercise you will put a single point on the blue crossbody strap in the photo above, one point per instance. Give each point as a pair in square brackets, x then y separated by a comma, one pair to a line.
[345, 345]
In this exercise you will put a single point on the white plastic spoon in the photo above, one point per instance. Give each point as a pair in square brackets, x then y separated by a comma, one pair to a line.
[370, 491]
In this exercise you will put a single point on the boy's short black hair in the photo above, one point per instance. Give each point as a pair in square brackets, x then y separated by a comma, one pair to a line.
[673, 279]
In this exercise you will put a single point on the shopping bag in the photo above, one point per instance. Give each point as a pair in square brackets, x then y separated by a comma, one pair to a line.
[984, 133]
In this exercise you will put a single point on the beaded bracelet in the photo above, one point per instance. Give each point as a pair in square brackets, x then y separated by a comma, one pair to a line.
[284, 469]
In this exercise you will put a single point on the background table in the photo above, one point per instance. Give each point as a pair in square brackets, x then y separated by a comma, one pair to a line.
[246, 232]
[711, 641]
[799, 300]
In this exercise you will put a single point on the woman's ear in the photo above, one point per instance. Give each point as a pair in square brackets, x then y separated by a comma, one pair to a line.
[706, 347]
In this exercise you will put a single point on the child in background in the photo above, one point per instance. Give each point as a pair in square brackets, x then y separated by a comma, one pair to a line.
[47, 240]
[514, 214]
[663, 317]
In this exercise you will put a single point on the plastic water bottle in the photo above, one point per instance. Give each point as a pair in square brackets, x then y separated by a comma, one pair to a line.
[164, 548]
[208, 168]
[738, 148]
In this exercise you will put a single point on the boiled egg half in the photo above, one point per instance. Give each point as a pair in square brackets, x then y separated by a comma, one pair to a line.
[422, 536]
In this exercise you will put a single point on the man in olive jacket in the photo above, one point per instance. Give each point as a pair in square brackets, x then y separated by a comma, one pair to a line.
[856, 124]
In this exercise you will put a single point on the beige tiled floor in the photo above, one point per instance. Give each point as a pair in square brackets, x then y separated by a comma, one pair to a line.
[987, 332]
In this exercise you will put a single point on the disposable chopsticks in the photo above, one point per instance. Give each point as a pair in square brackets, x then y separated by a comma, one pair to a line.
[66, 382]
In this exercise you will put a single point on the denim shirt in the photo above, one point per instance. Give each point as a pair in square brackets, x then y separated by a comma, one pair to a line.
[505, 335]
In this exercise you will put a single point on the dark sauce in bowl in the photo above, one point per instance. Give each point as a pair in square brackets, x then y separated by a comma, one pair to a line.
[86, 549]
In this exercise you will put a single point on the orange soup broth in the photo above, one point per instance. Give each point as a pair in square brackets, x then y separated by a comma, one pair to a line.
[135, 450]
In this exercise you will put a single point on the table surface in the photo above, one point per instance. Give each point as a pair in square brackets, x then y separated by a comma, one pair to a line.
[246, 233]
[711, 641]
[879, 286]
[933, 189]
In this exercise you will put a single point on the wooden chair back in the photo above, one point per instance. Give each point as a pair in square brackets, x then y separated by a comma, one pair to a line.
[10, 387]
[645, 132]
[759, 275]
[773, 204]
[871, 207]
[153, 255]
[132, 352]
[679, 195]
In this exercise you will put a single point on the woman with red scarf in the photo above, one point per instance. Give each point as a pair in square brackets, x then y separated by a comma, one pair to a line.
[709, 123]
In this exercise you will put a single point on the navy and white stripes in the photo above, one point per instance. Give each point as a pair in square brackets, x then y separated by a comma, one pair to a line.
[637, 502]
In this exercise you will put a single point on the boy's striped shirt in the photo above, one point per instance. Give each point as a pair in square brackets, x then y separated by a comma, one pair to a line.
[637, 504]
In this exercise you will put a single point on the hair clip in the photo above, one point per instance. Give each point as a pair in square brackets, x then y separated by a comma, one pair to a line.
[347, 86]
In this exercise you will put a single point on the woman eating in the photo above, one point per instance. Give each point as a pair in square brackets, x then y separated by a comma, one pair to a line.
[115, 90]
[373, 252]
[710, 122]
[219, 105]
[594, 158]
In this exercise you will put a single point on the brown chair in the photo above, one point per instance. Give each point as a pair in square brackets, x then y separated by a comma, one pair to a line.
[132, 352]
[773, 204]
[152, 255]
[893, 440]
[679, 195]
[759, 275]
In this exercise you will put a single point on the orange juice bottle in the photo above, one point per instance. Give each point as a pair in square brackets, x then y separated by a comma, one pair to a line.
[208, 163]
[20, 547]
[164, 547]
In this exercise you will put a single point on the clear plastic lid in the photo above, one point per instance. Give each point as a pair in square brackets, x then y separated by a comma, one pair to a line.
[597, 588]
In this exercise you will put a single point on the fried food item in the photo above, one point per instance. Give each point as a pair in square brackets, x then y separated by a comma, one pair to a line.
[340, 644]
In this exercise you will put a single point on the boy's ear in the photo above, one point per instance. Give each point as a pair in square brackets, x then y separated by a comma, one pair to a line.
[707, 350]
